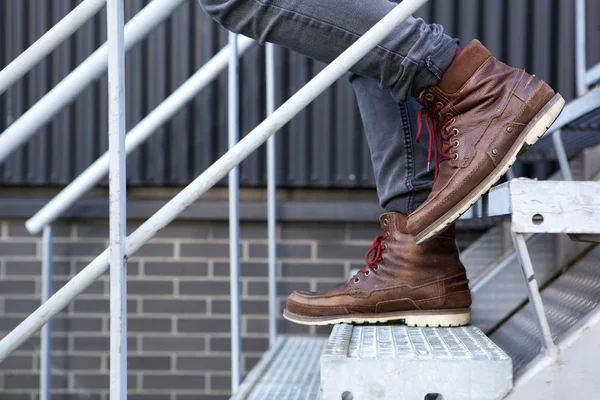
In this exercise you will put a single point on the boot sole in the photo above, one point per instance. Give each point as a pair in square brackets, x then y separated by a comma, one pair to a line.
[420, 318]
[530, 135]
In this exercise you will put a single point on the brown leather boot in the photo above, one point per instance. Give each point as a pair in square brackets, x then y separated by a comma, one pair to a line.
[417, 285]
[481, 114]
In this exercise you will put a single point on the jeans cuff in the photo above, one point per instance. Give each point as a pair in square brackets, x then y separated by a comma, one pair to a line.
[407, 204]
[433, 66]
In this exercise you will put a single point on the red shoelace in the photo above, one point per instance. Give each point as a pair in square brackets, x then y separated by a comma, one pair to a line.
[438, 137]
[373, 256]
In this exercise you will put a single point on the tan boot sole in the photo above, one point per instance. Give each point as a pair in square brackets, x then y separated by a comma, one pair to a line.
[421, 318]
[532, 132]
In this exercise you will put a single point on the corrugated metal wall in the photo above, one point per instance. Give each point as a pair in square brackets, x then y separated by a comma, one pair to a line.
[323, 147]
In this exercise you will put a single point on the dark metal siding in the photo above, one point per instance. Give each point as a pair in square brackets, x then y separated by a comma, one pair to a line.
[323, 147]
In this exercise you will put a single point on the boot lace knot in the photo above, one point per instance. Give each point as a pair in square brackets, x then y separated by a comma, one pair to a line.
[439, 137]
[373, 256]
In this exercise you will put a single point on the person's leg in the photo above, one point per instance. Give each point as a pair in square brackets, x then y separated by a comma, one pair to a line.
[399, 162]
[412, 58]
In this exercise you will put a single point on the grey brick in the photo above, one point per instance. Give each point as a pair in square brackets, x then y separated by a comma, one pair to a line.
[76, 362]
[64, 323]
[248, 306]
[9, 395]
[99, 306]
[341, 251]
[248, 269]
[312, 231]
[30, 381]
[149, 287]
[146, 363]
[283, 251]
[100, 381]
[179, 381]
[99, 343]
[248, 344]
[21, 306]
[75, 396]
[176, 268]
[14, 248]
[249, 362]
[96, 287]
[203, 363]
[191, 230]
[78, 249]
[203, 325]
[174, 306]
[220, 382]
[205, 250]
[156, 250]
[204, 288]
[366, 232]
[283, 288]
[93, 230]
[172, 344]
[17, 229]
[17, 286]
[318, 270]
[248, 230]
[137, 324]
[17, 363]
[35, 268]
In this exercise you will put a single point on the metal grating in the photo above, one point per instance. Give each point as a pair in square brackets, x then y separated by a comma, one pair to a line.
[290, 371]
[401, 342]
[567, 300]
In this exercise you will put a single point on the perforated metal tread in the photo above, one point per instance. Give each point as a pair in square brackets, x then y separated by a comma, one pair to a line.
[399, 362]
[566, 301]
[289, 371]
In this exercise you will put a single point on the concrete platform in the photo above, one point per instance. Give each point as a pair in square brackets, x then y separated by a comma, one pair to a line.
[393, 362]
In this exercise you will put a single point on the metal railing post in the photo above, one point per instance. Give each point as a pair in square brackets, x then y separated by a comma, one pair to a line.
[580, 48]
[561, 154]
[48, 42]
[46, 337]
[217, 171]
[271, 198]
[234, 217]
[118, 268]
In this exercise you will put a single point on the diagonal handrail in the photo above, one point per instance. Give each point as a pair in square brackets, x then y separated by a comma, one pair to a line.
[48, 42]
[81, 77]
[135, 138]
[213, 174]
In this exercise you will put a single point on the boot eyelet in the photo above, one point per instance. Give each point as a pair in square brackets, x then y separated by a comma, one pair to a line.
[385, 222]
[439, 104]
[453, 120]
[368, 273]
[456, 144]
[356, 280]
[456, 156]
[429, 97]
[376, 268]
[456, 131]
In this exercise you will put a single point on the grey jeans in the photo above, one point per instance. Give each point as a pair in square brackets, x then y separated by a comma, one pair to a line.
[414, 56]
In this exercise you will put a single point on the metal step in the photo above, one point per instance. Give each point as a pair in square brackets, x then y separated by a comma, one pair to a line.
[567, 300]
[288, 371]
[394, 362]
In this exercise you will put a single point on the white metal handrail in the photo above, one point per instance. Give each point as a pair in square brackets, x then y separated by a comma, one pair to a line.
[48, 42]
[212, 175]
[87, 72]
[135, 138]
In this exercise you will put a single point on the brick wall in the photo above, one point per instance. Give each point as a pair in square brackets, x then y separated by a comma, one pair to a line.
[178, 304]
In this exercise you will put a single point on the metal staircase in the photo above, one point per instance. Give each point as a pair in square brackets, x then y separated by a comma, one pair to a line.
[551, 338]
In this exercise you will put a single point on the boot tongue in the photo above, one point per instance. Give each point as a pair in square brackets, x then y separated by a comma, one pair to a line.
[393, 221]
[466, 63]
